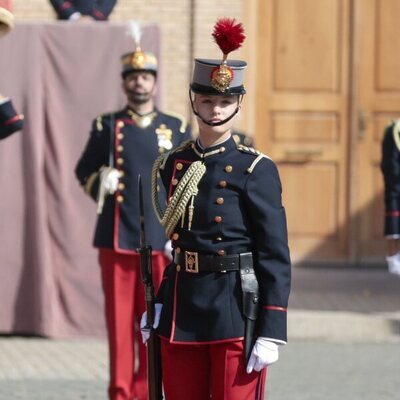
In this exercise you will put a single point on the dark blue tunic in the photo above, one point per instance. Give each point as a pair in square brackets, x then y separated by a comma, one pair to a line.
[10, 120]
[238, 209]
[133, 152]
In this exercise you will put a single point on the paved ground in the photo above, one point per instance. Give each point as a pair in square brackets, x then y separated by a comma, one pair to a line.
[43, 369]
[336, 371]
[344, 344]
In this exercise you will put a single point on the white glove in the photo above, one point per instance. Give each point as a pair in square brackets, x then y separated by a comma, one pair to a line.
[109, 178]
[168, 250]
[264, 353]
[144, 329]
[393, 263]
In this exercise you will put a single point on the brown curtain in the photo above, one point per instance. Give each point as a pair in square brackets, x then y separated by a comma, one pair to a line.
[60, 75]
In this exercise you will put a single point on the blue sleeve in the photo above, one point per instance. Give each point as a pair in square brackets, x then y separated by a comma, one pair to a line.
[271, 253]
[10, 120]
[102, 9]
[94, 156]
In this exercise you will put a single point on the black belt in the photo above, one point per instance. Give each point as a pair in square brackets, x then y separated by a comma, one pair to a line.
[194, 262]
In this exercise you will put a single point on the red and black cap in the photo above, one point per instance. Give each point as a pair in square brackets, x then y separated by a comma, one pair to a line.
[224, 77]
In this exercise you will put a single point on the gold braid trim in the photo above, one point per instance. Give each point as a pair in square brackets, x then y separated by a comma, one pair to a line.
[187, 188]
[251, 150]
[160, 164]
[256, 161]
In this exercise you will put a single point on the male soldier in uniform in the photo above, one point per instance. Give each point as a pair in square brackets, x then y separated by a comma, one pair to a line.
[223, 300]
[121, 146]
[390, 166]
[83, 9]
[10, 120]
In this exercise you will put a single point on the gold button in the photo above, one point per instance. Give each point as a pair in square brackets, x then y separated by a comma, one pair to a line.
[218, 239]
[218, 219]
[175, 236]
[121, 173]
[221, 252]
[120, 148]
[178, 268]
[120, 199]
[222, 184]
[179, 166]
[121, 124]
[220, 200]
[228, 168]
[222, 149]
[120, 136]
[161, 150]
[121, 186]
[174, 181]
[177, 250]
[120, 161]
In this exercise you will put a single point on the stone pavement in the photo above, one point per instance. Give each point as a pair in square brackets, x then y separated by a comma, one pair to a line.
[344, 341]
[45, 369]
[344, 303]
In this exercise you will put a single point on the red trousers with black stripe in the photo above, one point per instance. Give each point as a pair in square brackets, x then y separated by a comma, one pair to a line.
[209, 371]
[124, 306]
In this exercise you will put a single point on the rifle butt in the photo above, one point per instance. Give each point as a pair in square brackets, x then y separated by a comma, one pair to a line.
[154, 371]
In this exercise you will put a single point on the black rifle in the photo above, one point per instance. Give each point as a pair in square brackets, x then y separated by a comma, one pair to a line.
[154, 373]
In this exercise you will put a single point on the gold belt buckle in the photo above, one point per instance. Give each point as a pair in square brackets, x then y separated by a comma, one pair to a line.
[192, 262]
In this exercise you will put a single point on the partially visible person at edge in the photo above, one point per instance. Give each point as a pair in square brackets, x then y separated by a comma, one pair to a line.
[223, 299]
[390, 166]
[81, 10]
[10, 120]
[122, 145]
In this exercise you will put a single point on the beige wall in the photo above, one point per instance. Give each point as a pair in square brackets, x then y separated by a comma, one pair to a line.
[182, 36]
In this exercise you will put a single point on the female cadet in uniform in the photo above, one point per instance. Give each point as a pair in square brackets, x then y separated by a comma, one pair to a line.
[224, 298]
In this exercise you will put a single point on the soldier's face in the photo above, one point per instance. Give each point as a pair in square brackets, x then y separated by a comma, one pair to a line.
[139, 87]
[215, 109]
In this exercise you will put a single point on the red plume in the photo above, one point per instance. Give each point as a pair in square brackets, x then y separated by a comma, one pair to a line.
[228, 35]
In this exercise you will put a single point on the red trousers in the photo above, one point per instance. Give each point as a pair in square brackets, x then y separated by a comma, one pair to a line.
[209, 371]
[124, 306]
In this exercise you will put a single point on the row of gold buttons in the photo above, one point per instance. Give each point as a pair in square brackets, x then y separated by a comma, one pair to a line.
[120, 161]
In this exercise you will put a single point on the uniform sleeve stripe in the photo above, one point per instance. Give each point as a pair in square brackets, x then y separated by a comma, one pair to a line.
[14, 119]
[99, 14]
[276, 308]
[65, 5]
[392, 213]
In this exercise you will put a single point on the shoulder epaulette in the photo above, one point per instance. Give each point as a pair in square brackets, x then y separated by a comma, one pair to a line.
[248, 150]
[99, 119]
[181, 118]
[181, 147]
[251, 150]
[396, 133]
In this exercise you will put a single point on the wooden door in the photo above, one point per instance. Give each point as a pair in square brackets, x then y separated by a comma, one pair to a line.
[376, 80]
[300, 86]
